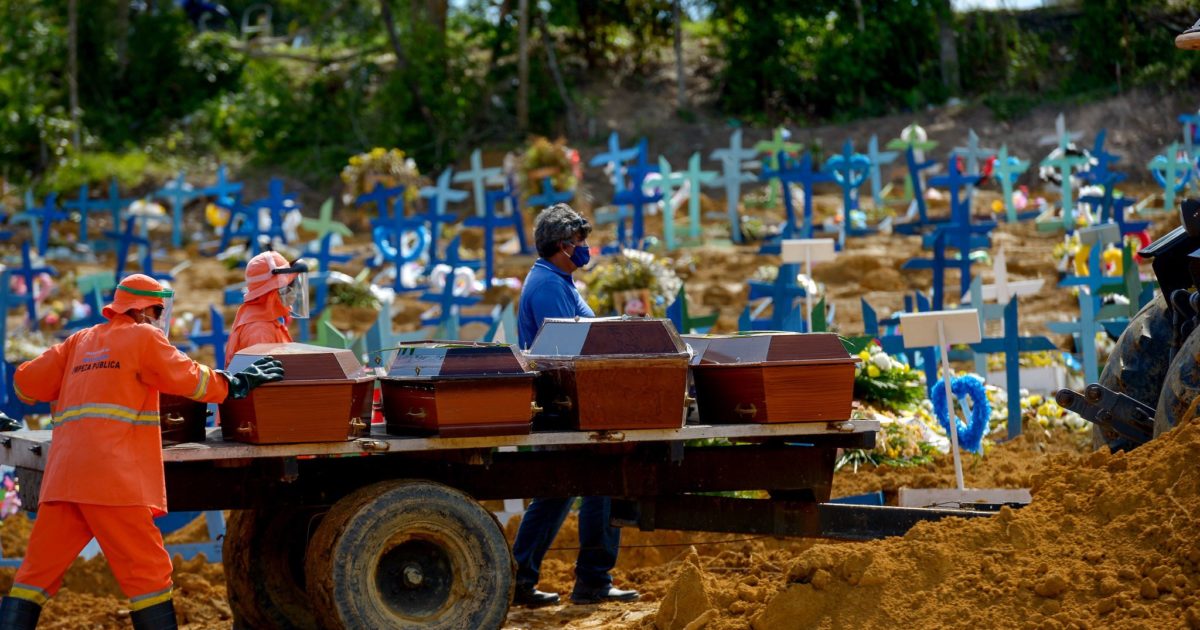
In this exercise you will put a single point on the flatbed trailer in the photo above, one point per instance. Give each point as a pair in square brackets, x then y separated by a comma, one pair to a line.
[388, 532]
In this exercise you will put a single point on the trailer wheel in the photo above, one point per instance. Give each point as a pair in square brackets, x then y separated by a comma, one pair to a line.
[1138, 365]
[263, 555]
[1181, 389]
[409, 554]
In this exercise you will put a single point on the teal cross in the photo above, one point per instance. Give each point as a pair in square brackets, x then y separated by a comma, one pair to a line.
[732, 176]
[1065, 163]
[324, 223]
[478, 177]
[878, 158]
[1011, 345]
[987, 313]
[1084, 330]
[91, 288]
[223, 188]
[1007, 170]
[773, 147]
[328, 336]
[1172, 173]
[849, 170]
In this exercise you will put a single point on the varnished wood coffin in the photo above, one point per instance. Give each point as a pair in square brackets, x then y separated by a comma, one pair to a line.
[772, 377]
[325, 396]
[457, 389]
[609, 374]
[181, 419]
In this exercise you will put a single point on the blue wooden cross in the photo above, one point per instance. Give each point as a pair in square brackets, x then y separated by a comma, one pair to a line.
[488, 223]
[127, 238]
[449, 307]
[913, 137]
[987, 313]
[807, 177]
[390, 243]
[29, 272]
[1006, 171]
[5, 298]
[615, 158]
[223, 188]
[92, 288]
[40, 219]
[512, 196]
[1012, 344]
[732, 176]
[438, 198]
[478, 177]
[180, 193]
[215, 337]
[893, 344]
[1172, 172]
[114, 204]
[781, 295]
[325, 224]
[850, 170]
[916, 179]
[940, 262]
[243, 223]
[1101, 175]
[1191, 133]
[84, 206]
[277, 204]
[635, 195]
[382, 197]
[326, 259]
[549, 196]
[878, 159]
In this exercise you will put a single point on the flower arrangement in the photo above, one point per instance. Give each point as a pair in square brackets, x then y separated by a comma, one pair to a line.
[884, 381]
[898, 443]
[390, 167]
[543, 158]
[629, 280]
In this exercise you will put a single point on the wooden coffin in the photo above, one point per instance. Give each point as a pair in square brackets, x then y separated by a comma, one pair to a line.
[609, 374]
[325, 396]
[181, 419]
[457, 389]
[772, 377]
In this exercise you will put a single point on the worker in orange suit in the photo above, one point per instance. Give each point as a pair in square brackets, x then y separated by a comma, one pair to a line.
[275, 293]
[104, 476]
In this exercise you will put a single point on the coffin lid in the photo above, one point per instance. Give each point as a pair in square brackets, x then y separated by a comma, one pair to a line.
[304, 364]
[606, 336]
[425, 360]
[771, 348]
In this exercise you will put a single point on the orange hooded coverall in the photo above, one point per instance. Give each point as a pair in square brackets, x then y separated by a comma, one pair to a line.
[104, 475]
[262, 318]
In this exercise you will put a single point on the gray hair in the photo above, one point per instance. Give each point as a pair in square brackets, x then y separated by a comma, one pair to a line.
[556, 224]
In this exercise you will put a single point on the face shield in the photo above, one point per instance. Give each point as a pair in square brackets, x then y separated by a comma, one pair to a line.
[294, 294]
[160, 319]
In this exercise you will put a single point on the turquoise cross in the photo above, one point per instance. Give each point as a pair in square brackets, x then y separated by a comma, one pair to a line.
[732, 176]
[478, 176]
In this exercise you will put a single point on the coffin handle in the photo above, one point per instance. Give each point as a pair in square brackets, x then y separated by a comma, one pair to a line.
[535, 408]
[357, 425]
[417, 413]
[688, 401]
[173, 420]
[746, 411]
[245, 428]
[564, 402]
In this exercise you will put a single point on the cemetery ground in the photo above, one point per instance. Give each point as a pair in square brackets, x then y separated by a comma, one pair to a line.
[738, 575]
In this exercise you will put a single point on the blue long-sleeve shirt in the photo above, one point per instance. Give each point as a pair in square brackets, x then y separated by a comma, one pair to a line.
[548, 292]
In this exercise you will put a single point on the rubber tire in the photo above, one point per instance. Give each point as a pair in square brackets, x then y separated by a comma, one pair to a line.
[1181, 390]
[1138, 364]
[263, 555]
[343, 565]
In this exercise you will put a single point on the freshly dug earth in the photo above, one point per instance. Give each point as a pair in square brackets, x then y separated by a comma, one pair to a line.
[1109, 541]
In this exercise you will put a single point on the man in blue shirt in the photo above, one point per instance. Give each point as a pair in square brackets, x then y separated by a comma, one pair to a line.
[561, 238]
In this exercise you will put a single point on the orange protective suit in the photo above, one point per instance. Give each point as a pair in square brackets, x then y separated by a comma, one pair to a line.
[104, 475]
[261, 320]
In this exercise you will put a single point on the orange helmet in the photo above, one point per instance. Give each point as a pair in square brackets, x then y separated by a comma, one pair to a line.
[139, 291]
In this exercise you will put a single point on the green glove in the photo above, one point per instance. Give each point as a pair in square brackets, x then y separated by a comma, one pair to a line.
[262, 371]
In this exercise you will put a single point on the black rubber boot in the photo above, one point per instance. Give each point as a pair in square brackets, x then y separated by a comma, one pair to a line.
[157, 617]
[19, 614]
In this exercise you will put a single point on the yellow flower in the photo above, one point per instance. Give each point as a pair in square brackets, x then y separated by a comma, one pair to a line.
[378, 152]
[873, 371]
[355, 160]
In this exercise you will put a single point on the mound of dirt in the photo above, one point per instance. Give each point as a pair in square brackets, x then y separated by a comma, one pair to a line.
[1110, 540]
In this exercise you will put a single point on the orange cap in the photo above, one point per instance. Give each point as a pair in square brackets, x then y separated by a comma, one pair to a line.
[136, 291]
[260, 280]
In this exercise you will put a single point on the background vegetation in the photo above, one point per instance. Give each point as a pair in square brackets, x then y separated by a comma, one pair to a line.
[340, 76]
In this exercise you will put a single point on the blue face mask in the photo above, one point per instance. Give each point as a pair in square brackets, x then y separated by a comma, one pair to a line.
[582, 255]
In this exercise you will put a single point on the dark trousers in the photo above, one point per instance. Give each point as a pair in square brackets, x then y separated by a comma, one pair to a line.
[598, 541]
